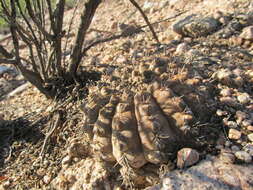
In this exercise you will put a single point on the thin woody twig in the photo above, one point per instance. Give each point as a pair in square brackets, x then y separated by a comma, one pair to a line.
[53, 127]
[146, 20]
[122, 35]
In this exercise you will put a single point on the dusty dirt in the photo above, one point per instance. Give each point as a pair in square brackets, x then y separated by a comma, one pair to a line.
[202, 87]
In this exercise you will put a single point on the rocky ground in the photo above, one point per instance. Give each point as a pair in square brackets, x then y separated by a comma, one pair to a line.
[198, 83]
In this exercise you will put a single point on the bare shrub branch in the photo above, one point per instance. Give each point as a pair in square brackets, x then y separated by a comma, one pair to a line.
[39, 26]
[88, 12]
[146, 20]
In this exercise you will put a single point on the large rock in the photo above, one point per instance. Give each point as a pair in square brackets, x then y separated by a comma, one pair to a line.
[194, 26]
[211, 173]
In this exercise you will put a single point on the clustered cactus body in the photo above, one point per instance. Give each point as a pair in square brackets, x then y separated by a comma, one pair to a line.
[138, 127]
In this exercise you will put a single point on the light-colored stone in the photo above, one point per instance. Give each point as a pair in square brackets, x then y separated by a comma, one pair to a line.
[182, 48]
[66, 160]
[232, 124]
[250, 137]
[240, 116]
[187, 157]
[224, 76]
[230, 101]
[226, 92]
[211, 173]
[244, 98]
[121, 59]
[247, 33]
[246, 122]
[234, 134]
[221, 113]
[250, 128]
[47, 179]
[243, 156]
[148, 6]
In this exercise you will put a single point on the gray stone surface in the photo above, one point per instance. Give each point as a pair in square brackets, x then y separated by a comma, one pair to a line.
[211, 173]
[194, 26]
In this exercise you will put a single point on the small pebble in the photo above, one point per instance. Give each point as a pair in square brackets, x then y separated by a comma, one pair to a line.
[250, 137]
[221, 113]
[235, 148]
[217, 15]
[182, 48]
[46, 179]
[250, 128]
[247, 33]
[226, 92]
[219, 147]
[244, 156]
[228, 101]
[224, 20]
[238, 72]
[246, 123]
[240, 116]
[236, 40]
[243, 98]
[232, 124]
[248, 148]
[66, 160]
[228, 143]
[224, 76]
[234, 134]
[187, 39]
[187, 157]
[239, 81]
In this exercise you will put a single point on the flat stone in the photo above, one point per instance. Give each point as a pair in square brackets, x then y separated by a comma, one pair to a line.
[234, 134]
[243, 156]
[194, 26]
[187, 157]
